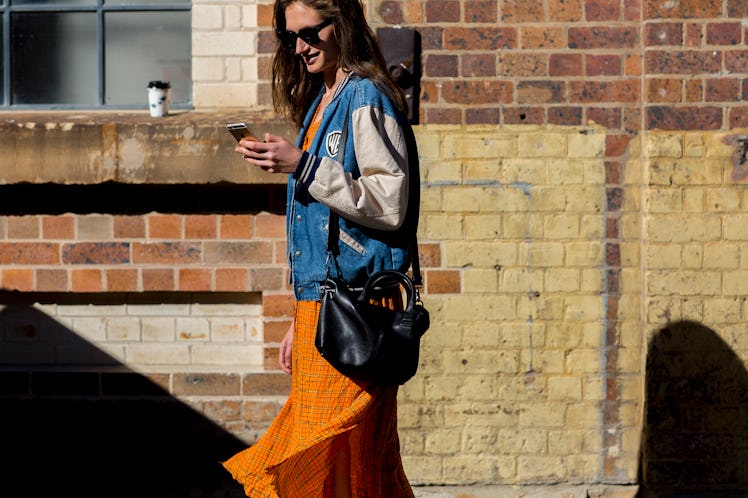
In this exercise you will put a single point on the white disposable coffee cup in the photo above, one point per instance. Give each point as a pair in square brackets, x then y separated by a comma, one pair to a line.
[158, 98]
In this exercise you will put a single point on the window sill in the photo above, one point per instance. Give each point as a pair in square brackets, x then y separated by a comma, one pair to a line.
[91, 147]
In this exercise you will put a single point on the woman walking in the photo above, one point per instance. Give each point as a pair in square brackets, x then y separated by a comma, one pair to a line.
[334, 438]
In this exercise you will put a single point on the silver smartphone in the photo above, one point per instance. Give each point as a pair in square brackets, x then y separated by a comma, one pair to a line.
[241, 131]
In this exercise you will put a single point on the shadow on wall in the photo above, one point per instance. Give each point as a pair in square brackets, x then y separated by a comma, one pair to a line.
[96, 432]
[695, 437]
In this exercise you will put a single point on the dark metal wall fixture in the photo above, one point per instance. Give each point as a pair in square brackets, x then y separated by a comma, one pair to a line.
[401, 48]
[742, 153]
[739, 157]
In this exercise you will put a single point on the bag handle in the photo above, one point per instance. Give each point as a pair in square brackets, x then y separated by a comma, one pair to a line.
[332, 225]
[386, 277]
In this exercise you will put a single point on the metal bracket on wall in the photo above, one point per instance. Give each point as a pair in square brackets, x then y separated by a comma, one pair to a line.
[401, 48]
[742, 153]
[739, 156]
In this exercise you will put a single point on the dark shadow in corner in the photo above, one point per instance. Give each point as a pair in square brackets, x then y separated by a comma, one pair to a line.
[101, 431]
[695, 434]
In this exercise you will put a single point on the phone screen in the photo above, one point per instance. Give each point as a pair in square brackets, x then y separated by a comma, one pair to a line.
[240, 131]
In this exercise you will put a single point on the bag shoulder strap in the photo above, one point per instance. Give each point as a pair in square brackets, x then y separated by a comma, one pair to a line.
[332, 225]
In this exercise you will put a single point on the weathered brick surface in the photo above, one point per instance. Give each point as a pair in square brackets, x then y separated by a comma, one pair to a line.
[550, 42]
[517, 241]
[694, 273]
[510, 273]
[687, 9]
[583, 208]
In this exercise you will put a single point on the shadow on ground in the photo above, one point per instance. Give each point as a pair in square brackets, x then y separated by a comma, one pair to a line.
[695, 436]
[96, 432]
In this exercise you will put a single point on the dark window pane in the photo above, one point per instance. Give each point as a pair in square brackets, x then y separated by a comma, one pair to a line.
[146, 2]
[2, 62]
[54, 58]
[145, 46]
[53, 2]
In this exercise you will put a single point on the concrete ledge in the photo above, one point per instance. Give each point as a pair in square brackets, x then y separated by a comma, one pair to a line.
[547, 491]
[129, 147]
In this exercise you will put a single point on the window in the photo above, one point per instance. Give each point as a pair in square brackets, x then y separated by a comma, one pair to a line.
[88, 54]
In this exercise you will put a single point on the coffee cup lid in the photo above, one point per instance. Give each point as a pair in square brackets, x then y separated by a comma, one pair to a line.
[159, 84]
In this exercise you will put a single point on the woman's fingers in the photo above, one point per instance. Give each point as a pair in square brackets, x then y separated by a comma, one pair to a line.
[275, 155]
[285, 352]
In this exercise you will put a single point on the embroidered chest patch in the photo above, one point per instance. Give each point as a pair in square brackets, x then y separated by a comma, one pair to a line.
[332, 143]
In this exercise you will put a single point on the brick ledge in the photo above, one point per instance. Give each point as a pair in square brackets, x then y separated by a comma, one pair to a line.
[91, 147]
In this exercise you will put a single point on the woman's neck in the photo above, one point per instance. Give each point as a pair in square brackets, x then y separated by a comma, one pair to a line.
[332, 80]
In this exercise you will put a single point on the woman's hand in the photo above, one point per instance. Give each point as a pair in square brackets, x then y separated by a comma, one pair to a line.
[286, 349]
[274, 155]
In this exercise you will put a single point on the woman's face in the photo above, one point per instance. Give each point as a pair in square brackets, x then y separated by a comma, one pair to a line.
[321, 57]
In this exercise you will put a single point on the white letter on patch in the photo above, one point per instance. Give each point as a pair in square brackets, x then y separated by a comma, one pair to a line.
[332, 143]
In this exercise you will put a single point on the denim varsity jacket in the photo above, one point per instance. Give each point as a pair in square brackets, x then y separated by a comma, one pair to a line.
[375, 190]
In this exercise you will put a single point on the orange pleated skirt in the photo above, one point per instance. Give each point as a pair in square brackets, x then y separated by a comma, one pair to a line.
[325, 411]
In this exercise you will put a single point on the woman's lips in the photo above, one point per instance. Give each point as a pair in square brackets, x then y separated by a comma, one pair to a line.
[309, 59]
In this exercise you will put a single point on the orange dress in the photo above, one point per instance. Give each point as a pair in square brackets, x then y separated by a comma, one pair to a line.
[325, 412]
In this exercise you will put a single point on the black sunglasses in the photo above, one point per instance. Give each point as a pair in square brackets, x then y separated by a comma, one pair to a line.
[309, 35]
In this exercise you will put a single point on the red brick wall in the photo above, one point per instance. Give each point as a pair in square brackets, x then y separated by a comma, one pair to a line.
[110, 253]
[155, 252]
[625, 64]
[142, 253]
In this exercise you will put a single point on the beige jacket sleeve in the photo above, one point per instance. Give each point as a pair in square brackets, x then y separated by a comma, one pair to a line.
[379, 197]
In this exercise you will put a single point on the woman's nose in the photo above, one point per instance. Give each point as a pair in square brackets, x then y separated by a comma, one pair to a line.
[301, 46]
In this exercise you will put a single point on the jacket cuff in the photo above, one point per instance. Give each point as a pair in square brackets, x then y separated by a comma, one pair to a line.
[306, 168]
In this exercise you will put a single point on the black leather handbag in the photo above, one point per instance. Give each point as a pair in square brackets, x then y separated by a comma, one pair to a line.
[368, 342]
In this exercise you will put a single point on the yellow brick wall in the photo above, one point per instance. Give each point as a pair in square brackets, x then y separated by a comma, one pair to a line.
[523, 378]
[694, 281]
[695, 230]
[224, 54]
[510, 387]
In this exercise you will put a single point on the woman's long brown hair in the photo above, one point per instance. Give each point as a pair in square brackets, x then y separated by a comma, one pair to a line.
[294, 89]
